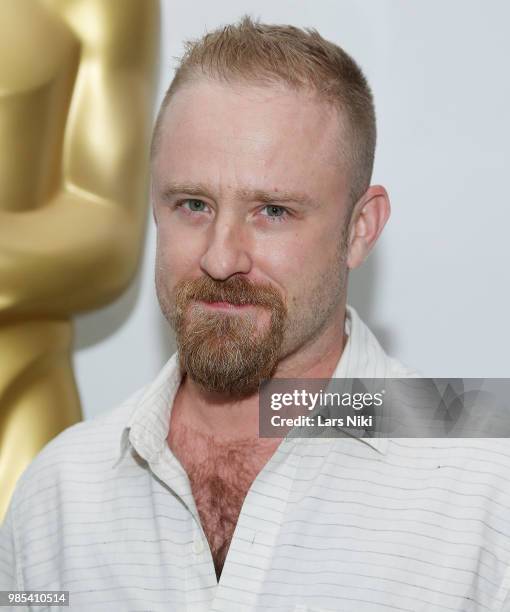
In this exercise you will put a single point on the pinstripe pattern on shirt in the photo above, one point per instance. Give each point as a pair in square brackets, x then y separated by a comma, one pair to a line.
[106, 512]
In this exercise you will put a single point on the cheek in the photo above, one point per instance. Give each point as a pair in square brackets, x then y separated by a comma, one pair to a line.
[176, 252]
[309, 268]
[301, 256]
[281, 261]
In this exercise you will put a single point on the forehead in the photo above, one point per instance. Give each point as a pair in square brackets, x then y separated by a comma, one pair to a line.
[249, 134]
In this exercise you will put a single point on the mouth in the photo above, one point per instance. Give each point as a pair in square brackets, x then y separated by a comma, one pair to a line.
[226, 306]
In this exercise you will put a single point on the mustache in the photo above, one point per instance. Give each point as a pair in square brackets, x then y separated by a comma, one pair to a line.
[236, 290]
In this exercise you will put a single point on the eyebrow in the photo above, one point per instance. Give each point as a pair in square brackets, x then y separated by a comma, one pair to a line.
[260, 195]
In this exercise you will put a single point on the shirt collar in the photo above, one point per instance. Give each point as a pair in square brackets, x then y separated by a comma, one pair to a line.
[147, 428]
[362, 357]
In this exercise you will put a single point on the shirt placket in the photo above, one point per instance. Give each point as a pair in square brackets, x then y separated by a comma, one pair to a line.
[251, 549]
[200, 576]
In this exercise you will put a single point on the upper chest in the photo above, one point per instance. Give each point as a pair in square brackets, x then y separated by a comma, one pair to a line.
[220, 473]
[216, 468]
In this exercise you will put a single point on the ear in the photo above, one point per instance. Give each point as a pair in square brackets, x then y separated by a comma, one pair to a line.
[367, 221]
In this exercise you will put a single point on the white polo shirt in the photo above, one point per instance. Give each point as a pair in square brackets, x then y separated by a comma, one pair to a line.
[106, 512]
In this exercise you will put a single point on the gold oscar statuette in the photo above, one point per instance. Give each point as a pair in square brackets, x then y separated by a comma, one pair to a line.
[77, 87]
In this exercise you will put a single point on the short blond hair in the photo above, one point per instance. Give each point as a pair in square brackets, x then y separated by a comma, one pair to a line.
[253, 52]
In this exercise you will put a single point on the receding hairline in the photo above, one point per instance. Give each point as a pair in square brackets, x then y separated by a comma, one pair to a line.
[309, 92]
[250, 52]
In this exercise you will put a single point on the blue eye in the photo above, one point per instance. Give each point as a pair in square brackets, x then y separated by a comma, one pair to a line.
[194, 205]
[276, 213]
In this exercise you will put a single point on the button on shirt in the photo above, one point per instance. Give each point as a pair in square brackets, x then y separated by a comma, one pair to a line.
[106, 512]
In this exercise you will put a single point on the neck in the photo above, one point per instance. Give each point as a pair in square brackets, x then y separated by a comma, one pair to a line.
[226, 420]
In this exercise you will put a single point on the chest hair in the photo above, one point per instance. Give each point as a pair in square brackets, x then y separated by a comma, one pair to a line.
[220, 474]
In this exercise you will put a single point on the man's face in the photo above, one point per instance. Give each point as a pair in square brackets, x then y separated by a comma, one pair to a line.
[250, 199]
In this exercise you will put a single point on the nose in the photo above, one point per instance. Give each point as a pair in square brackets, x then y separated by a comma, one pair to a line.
[227, 251]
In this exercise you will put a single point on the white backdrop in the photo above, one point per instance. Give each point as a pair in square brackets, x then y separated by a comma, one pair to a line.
[436, 289]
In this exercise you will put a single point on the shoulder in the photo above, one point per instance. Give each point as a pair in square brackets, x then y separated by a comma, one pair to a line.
[85, 451]
[364, 355]
[399, 370]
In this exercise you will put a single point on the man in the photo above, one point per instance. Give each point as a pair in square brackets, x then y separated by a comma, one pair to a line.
[261, 163]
